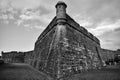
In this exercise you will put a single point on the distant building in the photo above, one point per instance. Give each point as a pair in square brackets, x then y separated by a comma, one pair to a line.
[117, 56]
[110, 57]
[118, 52]
[107, 54]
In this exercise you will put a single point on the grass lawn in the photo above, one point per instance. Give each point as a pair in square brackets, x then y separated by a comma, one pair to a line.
[18, 71]
[111, 73]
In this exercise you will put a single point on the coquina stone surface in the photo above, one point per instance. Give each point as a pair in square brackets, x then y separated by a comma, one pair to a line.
[65, 48]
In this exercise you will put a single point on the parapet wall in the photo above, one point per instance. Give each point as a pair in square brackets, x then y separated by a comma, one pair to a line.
[82, 29]
[75, 25]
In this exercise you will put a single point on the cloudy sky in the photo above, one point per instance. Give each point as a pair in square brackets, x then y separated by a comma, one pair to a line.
[22, 21]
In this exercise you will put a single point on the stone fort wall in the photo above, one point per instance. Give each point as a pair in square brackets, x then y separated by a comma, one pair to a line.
[28, 57]
[17, 57]
[63, 48]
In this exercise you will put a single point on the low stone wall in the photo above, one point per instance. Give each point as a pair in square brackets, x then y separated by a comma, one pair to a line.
[13, 57]
[17, 57]
[28, 57]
